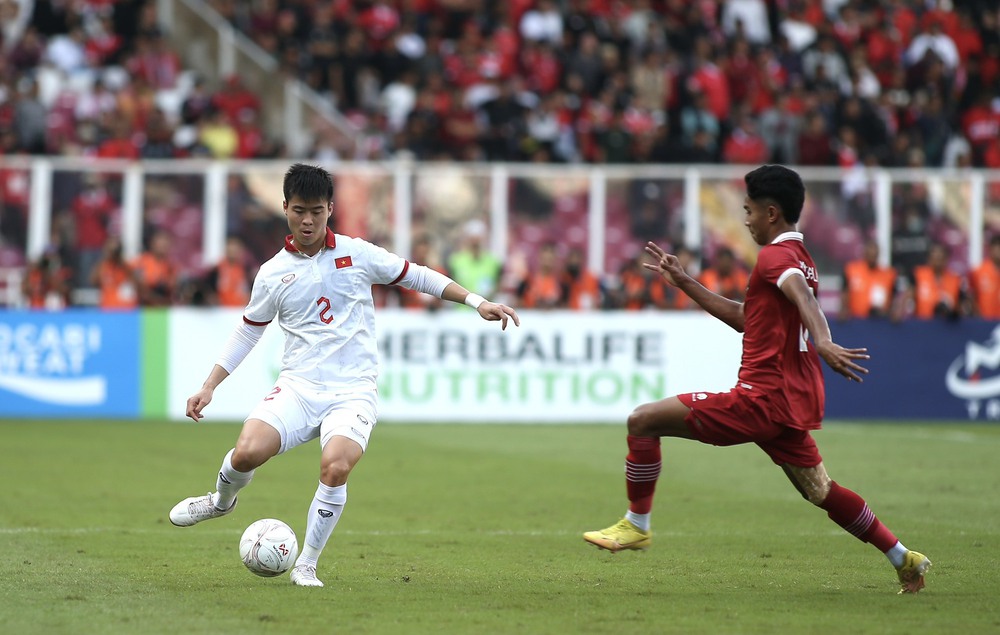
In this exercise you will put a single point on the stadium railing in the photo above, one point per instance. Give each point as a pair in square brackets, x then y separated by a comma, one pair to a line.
[608, 211]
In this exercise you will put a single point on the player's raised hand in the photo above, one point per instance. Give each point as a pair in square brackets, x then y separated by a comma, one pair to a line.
[197, 402]
[667, 265]
[492, 311]
[841, 359]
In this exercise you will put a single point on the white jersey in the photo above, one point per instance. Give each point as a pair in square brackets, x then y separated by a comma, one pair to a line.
[324, 306]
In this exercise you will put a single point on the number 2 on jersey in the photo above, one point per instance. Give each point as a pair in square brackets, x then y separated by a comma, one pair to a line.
[325, 315]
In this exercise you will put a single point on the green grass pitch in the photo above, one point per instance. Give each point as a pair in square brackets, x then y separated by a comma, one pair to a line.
[477, 529]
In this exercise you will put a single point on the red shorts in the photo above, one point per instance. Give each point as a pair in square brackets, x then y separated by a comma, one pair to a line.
[732, 418]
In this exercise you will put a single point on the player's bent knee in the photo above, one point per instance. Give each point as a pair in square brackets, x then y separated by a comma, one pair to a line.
[246, 458]
[251, 453]
[813, 482]
[664, 418]
[641, 421]
[335, 471]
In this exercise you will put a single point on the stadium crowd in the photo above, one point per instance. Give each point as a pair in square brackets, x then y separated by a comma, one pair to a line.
[896, 83]
[802, 82]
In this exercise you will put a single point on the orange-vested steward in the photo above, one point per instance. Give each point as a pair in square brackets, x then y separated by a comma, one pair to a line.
[117, 286]
[732, 286]
[986, 286]
[584, 291]
[932, 290]
[233, 285]
[868, 288]
[37, 287]
[154, 272]
[635, 289]
[542, 290]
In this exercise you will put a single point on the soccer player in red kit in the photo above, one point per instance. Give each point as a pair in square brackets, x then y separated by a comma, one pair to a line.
[779, 395]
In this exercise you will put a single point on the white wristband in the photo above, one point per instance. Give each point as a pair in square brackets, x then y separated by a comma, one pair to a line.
[474, 300]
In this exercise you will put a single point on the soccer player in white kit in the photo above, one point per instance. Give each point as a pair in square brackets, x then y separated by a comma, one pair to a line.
[319, 289]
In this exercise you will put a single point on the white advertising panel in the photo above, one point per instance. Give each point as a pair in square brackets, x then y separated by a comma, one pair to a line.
[558, 367]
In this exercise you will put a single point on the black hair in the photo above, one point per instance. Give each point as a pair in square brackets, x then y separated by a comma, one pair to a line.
[308, 182]
[781, 186]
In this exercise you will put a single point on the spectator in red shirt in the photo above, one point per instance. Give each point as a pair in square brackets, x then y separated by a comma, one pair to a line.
[815, 143]
[981, 126]
[234, 97]
[744, 145]
[103, 44]
[541, 67]
[154, 61]
[92, 211]
[707, 78]
[119, 144]
[967, 39]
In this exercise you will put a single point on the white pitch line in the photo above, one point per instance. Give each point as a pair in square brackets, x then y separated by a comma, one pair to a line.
[952, 436]
[57, 531]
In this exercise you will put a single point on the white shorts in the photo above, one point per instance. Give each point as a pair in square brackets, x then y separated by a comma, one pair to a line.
[301, 413]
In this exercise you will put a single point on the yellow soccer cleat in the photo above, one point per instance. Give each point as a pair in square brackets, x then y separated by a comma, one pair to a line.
[620, 536]
[911, 574]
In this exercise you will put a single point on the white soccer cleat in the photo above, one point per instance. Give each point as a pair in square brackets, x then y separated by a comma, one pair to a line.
[192, 511]
[305, 575]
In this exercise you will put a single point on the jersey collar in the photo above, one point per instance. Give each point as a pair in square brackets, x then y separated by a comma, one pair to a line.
[780, 238]
[331, 241]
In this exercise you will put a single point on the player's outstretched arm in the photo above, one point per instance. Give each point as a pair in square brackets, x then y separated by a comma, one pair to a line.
[840, 359]
[669, 267]
[490, 311]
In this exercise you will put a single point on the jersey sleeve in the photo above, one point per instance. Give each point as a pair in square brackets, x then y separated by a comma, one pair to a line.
[384, 267]
[775, 265]
[261, 309]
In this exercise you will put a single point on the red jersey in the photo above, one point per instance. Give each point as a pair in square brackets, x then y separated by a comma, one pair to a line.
[779, 363]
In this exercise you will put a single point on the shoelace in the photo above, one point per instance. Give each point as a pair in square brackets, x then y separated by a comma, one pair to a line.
[202, 505]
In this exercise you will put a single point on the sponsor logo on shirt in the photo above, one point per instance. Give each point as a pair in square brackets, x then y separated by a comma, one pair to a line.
[288, 278]
[810, 272]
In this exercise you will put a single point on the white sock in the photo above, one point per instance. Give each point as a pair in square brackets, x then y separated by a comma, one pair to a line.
[229, 483]
[897, 555]
[324, 512]
[639, 520]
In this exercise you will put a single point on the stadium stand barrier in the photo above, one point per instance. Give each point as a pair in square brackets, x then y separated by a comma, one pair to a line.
[609, 212]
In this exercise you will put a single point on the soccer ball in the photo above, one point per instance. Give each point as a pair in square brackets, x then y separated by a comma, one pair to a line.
[268, 547]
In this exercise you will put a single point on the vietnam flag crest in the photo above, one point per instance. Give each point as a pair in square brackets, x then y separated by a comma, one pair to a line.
[345, 261]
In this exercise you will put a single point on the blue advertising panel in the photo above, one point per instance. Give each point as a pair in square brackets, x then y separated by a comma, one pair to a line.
[919, 370]
[76, 363]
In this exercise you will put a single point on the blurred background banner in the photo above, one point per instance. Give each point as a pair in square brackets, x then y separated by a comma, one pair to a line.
[77, 363]
[559, 367]
[920, 370]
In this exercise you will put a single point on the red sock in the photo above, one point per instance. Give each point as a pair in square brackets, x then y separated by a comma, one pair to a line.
[851, 512]
[642, 468]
